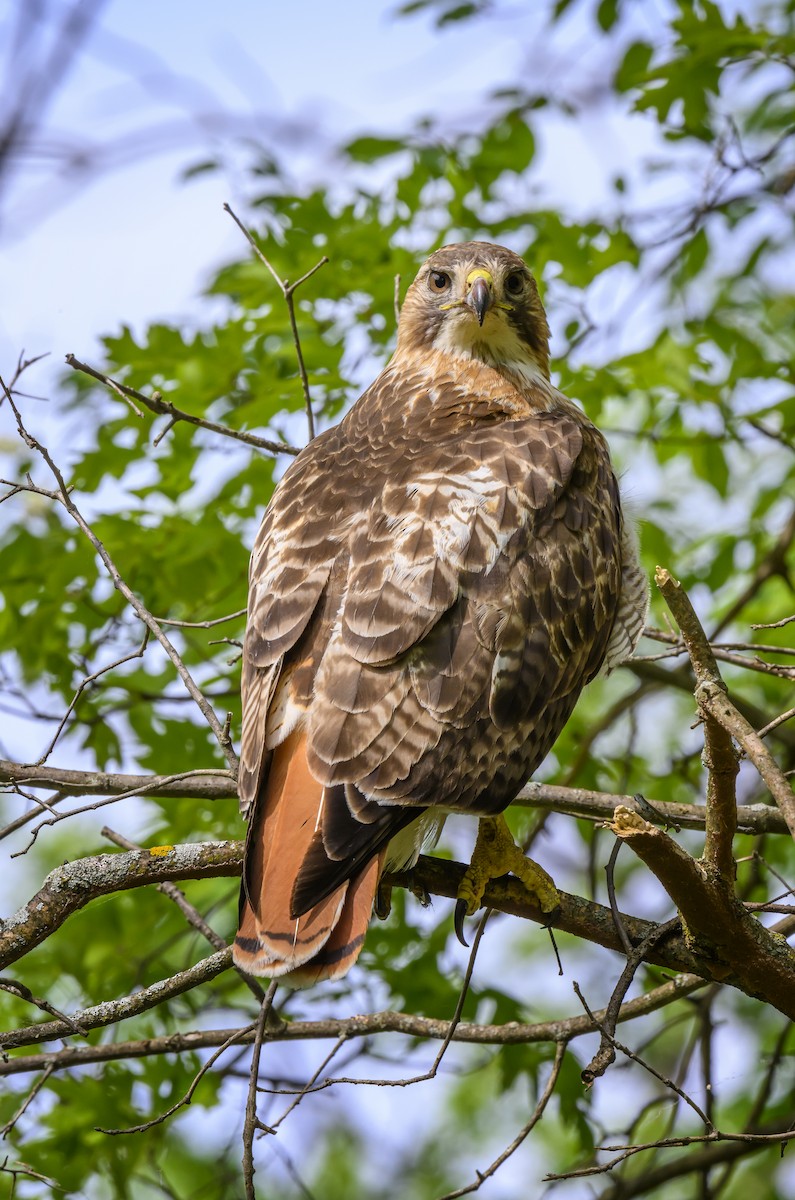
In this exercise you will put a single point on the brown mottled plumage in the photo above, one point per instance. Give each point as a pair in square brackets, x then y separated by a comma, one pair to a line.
[434, 582]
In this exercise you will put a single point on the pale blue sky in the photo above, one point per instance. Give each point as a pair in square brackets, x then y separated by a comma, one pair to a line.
[134, 245]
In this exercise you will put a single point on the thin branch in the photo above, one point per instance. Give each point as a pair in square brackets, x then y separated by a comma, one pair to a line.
[90, 783]
[288, 290]
[453, 1025]
[252, 1122]
[141, 611]
[15, 988]
[216, 784]
[188, 1096]
[26, 1103]
[669, 1083]
[776, 624]
[367, 1025]
[241, 612]
[156, 404]
[191, 914]
[773, 563]
[57, 817]
[546, 1095]
[110, 1012]
[88, 679]
[606, 1054]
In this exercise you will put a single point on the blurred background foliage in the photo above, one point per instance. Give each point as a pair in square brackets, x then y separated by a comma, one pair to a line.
[673, 317]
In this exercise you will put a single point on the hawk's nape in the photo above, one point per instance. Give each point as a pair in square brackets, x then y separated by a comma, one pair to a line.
[434, 582]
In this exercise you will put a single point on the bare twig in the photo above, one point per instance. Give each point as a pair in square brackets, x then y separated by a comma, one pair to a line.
[185, 1100]
[142, 612]
[241, 612]
[606, 1054]
[88, 679]
[19, 989]
[252, 1122]
[57, 817]
[773, 563]
[611, 896]
[776, 624]
[363, 1026]
[161, 407]
[26, 1103]
[288, 290]
[669, 1083]
[191, 914]
[546, 1095]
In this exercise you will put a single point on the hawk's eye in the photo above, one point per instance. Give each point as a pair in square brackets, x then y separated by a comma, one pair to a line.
[439, 281]
[514, 283]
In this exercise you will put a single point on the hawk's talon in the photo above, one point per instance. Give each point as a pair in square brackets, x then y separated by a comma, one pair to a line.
[382, 905]
[497, 854]
[458, 921]
[551, 916]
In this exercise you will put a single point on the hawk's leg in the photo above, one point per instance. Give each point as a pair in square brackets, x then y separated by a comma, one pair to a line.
[496, 854]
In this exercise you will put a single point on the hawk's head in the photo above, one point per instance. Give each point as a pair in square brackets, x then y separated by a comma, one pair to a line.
[477, 300]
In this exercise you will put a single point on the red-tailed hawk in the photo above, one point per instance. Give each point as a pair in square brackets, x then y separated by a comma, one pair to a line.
[434, 582]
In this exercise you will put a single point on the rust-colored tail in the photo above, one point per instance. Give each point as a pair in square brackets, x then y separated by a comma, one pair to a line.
[324, 942]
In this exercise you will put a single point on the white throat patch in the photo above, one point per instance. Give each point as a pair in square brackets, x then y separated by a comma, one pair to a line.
[497, 344]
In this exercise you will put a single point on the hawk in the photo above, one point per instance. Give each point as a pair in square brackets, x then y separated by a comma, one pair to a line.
[434, 582]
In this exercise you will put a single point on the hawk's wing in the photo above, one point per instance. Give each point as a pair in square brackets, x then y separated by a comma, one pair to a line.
[430, 590]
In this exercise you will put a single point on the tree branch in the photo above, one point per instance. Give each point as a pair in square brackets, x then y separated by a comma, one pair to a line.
[718, 925]
[719, 755]
[288, 290]
[70, 887]
[214, 784]
[112, 1011]
[363, 1026]
[156, 404]
[139, 608]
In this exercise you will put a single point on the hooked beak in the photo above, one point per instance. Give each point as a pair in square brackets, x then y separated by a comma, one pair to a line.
[480, 295]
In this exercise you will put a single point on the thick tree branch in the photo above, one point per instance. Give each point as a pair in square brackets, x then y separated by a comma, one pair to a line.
[70, 887]
[759, 962]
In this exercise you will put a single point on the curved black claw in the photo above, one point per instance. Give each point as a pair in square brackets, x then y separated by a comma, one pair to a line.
[551, 917]
[382, 905]
[458, 921]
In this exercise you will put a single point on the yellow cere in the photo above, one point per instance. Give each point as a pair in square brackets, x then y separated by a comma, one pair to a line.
[161, 851]
[480, 273]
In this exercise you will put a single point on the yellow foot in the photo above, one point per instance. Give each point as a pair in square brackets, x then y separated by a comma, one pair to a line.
[496, 854]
